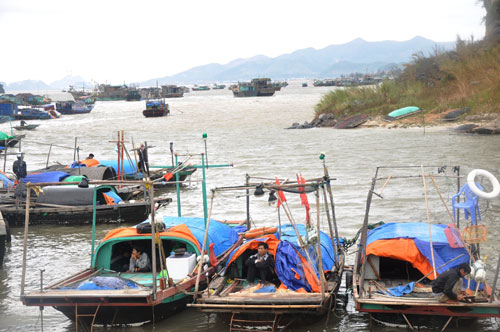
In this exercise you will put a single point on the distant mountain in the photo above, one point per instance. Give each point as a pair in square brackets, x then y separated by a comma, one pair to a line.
[331, 61]
[27, 85]
[77, 82]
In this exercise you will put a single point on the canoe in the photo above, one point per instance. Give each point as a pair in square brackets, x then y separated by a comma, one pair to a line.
[402, 113]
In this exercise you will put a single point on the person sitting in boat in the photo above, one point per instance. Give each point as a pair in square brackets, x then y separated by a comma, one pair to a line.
[139, 261]
[448, 286]
[19, 167]
[91, 156]
[262, 263]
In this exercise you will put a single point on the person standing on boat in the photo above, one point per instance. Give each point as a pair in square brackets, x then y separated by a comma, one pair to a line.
[448, 286]
[139, 261]
[19, 167]
[262, 263]
[23, 123]
[143, 160]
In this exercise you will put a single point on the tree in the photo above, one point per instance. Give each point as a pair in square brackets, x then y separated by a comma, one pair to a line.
[492, 20]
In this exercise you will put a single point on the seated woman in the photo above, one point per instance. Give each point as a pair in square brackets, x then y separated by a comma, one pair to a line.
[139, 261]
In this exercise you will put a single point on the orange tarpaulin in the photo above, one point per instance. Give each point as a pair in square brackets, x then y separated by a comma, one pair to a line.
[402, 249]
[90, 162]
[180, 231]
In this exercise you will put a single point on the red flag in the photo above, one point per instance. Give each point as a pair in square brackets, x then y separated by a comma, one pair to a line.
[281, 195]
[303, 197]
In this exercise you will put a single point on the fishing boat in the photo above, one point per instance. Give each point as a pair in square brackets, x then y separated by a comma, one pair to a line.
[8, 140]
[70, 107]
[402, 113]
[399, 257]
[308, 265]
[27, 127]
[200, 88]
[111, 292]
[72, 203]
[133, 95]
[156, 108]
[219, 86]
[172, 91]
[32, 113]
[258, 87]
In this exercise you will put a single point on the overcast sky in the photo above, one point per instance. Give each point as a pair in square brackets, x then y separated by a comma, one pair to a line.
[132, 41]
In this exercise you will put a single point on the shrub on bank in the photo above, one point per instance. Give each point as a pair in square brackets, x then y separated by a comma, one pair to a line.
[469, 76]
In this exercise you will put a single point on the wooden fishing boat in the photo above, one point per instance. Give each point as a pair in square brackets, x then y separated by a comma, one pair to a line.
[402, 113]
[9, 141]
[200, 88]
[110, 292]
[106, 293]
[398, 260]
[27, 127]
[308, 267]
[70, 204]
[156, 108]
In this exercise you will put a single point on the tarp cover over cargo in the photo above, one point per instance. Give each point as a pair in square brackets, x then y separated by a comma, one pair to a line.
[45, 177]
[410, 242]
[189, 229]
[290, 262]
[129, 168]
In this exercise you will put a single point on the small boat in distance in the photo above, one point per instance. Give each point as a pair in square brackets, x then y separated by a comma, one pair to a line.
[258, 87]
[172, 91]
[156, 108]
[200, 88]
[26, 127]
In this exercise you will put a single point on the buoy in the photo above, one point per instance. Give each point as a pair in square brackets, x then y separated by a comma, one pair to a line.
[493, 180]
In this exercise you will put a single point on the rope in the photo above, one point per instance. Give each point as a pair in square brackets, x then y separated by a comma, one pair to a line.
[349, 243]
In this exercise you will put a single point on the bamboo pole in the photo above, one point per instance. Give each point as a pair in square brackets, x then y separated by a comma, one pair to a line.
[25, 240]
[429, 223]
[321, 270]
[202, 254]
[330, 228]
[135, 156]
[442, 200]
[153, 238]
[494, 286]
[5, 155]
[48, 156]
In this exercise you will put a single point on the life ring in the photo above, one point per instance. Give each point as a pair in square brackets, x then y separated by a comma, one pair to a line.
[493, 180]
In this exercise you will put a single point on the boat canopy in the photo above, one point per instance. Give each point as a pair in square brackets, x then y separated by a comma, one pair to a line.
[291, 263]
[129, 168]
[410, 242]
[189, 229]
[4, 136]
[56, 176]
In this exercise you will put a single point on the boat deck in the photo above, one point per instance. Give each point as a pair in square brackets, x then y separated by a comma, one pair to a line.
[420, 301]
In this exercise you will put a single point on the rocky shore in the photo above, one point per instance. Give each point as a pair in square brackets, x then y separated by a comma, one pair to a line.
[486, 124]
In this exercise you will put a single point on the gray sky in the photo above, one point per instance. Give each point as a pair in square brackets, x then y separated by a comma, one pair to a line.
[122, 40]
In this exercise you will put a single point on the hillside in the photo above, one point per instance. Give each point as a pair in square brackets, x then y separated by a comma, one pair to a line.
[466, 77]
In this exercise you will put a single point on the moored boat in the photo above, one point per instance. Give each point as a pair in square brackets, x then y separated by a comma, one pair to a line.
[172, 91]
[114, 291]
[397, 263]
[308, 265]
[258, 87]
[156, 108]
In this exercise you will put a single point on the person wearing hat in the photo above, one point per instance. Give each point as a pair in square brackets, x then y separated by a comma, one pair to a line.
[19, 167]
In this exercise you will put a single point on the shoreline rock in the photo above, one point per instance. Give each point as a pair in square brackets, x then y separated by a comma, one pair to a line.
[483, 124]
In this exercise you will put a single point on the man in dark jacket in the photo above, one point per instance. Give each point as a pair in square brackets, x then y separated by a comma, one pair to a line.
[262, 263]
[448, 285]
[19, 167]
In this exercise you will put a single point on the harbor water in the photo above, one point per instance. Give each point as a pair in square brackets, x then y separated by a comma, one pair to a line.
[250, 134]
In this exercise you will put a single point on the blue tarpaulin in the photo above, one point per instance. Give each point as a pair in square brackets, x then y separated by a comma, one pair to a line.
[129, 168]
[45, 177]
[419, 233]
[6, 181]
[222, 236]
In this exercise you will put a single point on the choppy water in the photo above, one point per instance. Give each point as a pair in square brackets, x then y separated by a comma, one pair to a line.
[248, 132]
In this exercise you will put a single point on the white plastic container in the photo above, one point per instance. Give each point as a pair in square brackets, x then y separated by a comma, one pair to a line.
[180, 266]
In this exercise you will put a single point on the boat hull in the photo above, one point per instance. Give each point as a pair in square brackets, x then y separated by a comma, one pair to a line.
[75, 215]
[154, 113]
